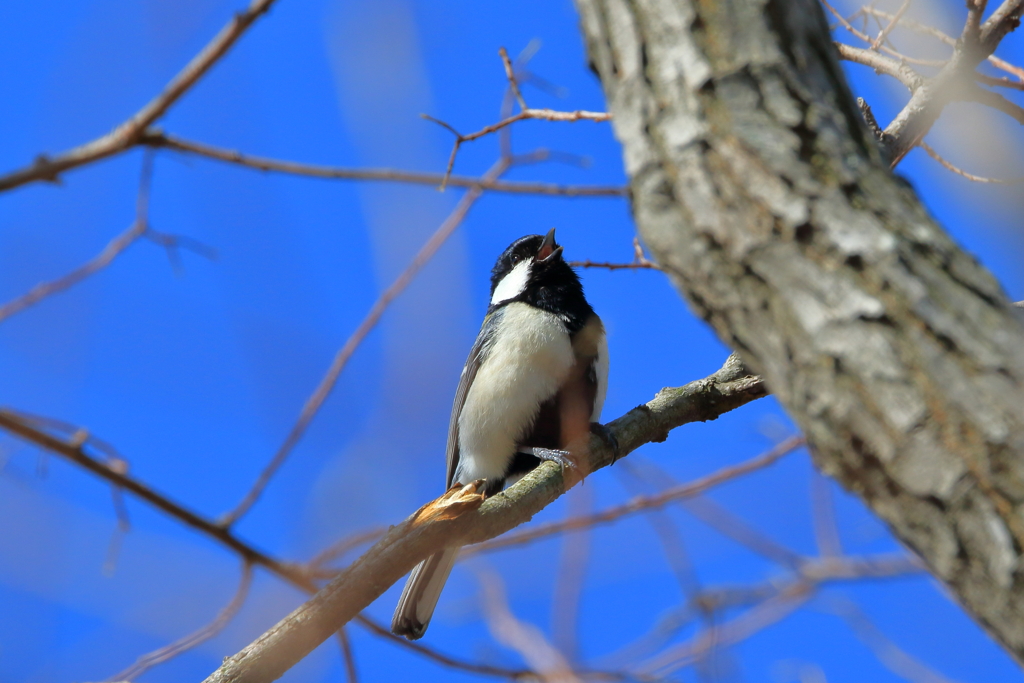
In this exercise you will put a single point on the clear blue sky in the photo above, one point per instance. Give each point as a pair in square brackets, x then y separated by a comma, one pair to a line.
[196, 376]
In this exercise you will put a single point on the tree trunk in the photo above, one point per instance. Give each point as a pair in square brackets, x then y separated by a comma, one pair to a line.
[757, 186]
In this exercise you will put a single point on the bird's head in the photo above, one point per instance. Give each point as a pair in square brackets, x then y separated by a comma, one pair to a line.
[529, 262]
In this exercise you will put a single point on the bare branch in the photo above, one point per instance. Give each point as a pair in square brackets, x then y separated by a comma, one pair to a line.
[536, 114]
[951, 41]
[339, 549]
[975, 93]
[1006, 18]
[731, 526]
[511, 75]
[885, 48]
[323, 390]
[881, 64]
[110, 252]
[443, 659]
[774, 600]
[1000, 82]
[567, 587]
[162, 140]
[761, 616]
[128, 133]
[640, 261]
[888, 653]
[959, 171]
[347, 655]
[687, 490]
[972, 27]
[614, 266]
[156, 657]
[74, 450]
[525, 639]
[461, 517]
[71, 448]
[884, 33]
[823, 515]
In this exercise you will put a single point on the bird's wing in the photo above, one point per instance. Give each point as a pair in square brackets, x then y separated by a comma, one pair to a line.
[476, 356]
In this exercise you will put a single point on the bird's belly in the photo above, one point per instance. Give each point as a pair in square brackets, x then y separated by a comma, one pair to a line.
[523, 368]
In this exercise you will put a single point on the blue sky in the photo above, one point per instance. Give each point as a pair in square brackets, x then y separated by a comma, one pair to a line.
[196, 375]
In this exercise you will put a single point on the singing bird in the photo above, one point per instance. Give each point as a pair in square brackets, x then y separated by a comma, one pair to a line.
[534, 382]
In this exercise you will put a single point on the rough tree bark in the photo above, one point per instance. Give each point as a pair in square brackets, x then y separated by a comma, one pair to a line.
[757, 186]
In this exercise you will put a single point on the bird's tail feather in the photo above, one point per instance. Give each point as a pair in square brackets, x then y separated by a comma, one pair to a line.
[420, 595]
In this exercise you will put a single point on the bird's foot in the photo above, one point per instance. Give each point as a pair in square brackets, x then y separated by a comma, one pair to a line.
[605, 434]
[563, 458]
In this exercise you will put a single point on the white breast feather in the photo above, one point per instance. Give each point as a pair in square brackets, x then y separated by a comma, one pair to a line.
[525, 366]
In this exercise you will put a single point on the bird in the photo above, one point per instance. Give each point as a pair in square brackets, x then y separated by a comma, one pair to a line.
[535, 381]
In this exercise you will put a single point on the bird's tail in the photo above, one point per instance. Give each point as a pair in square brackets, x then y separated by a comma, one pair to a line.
[420, 595]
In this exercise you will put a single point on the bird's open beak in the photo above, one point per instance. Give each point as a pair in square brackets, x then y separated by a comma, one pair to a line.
[548, 248]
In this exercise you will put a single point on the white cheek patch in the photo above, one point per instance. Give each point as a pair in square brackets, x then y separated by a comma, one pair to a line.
[513, 284]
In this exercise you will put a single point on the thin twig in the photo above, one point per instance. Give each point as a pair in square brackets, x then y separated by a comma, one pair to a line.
[951, 41]
[127, 134]
[74, 450]
[443, 659]
[164, 141]
[524, 638]
[959, 171]
[511, 75]
[892, 656]
[110, 252]
[124, 524]
[639, 503]
[148, 661]
[727, 523]
[71, 448]
[567, 588]
[323, 390]
[536, 114]
[665, 529]
[784, 598]
[347, 655]
[339, 549]
[975, 93]
[823, 516]
[640, 261]
[881, 64]
[883, 34]
[926, 104]
[614, 266]
[867, 39]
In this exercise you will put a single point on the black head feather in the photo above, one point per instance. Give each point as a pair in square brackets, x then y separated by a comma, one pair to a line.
[552, 284]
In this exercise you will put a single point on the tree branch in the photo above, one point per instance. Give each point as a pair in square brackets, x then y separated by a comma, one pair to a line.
[168, 652]
[525, 114]
[461, 517]
[959, 171]
[128, 133]
[725, 390]
[326, 385]
[881, 64]
[640, 503]
[164, 141]
[951, 41]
